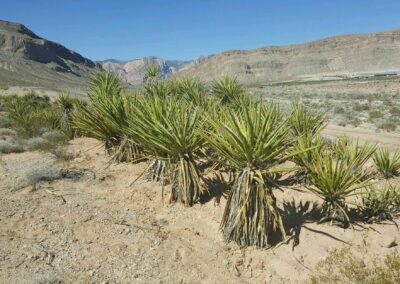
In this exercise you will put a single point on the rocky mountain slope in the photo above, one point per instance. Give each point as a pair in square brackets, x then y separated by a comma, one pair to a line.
[337, 57]
[29, 60]
[133, 71]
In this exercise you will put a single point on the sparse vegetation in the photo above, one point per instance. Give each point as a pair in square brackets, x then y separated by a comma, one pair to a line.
[388, 126]
[341, 266]
[378, 204]
[388, 165]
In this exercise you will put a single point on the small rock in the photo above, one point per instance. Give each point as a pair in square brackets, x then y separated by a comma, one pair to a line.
[392, 244]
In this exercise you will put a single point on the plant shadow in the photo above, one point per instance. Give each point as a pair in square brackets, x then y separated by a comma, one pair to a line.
[217, 187]
[295, 216]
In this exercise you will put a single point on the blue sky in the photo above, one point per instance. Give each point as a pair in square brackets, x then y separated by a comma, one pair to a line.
[186, 29]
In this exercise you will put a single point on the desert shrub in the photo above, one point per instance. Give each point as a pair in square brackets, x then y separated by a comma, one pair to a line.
[7, 132]
[339, 109]
[361, 107]
[34, 171]
[395, 111]
[388, 165]
[388, 126]
[54, 137]
[5, 122]
[32, 116]
[341, 266]
[378, 204]
[375, 114]
[7, 147]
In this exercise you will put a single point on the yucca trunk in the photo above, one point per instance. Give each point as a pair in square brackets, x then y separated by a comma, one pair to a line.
[158, 171]
[186, 182]
[251, 213]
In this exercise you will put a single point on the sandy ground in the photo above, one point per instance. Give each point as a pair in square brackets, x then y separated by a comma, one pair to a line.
[93, 227]
[390, 140]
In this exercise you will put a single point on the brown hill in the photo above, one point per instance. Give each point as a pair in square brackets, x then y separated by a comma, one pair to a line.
[27, 59]
[334, 57]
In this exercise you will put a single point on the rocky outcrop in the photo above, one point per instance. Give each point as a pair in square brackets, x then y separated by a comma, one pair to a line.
[133, 71]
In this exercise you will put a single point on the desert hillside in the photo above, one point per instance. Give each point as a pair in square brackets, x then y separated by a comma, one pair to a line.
[29, 60]
[330, 58]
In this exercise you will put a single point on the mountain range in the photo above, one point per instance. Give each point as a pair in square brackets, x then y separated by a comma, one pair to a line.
[29, 60]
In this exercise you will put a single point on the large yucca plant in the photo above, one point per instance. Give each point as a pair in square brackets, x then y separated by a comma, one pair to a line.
[252, 141]
[105, 117]
[388, 165]
[167, 129]
[334, 180]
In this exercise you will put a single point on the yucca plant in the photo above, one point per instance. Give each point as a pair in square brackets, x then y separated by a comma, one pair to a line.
[334, 180]
[191, 89]
[66, 105]
[32, 117]
[105, 117]
[378, 204]
[167, 129]
[252, 140]
[152, 73]
[315, 144]
[228, 90]
[303, 121]
[160, 88]
[388, 165]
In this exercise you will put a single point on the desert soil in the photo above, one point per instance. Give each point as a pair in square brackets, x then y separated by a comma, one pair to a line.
[92, 226]
[390, 140]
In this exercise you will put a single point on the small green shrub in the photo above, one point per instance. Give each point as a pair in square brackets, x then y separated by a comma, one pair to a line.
[361, 107]
[34, 171]
[339, 109]
[375, 114]
[7, 147]
[341, 266]
[395, 111]
[378, 204]
[388, 165]
[388, 126]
